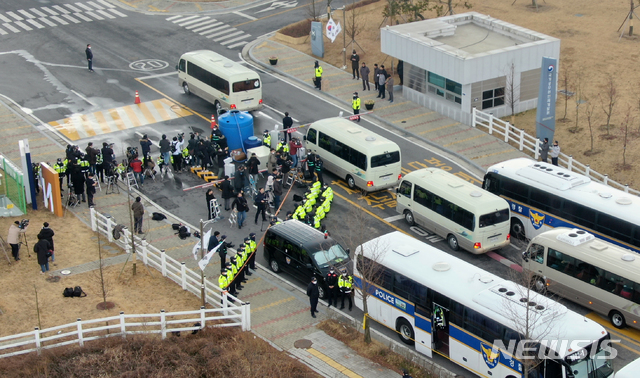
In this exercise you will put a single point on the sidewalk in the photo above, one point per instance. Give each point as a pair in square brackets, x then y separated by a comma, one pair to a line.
[461, 142]
[166, 7]
[279, 310]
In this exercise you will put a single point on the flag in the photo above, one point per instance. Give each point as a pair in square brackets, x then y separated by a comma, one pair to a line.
[197, 247]
[205, 260]
[333, 29]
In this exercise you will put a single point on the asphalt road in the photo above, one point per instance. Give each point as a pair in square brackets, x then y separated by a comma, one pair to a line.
[44, 71]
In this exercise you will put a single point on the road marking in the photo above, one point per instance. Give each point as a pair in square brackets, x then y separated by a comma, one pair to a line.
[193, 21]
[235, 39]
[214, 29]
[104, 13]
[228, 36]
[95, 16]
[68, 17]
[26, 14]
[214, 23]
[83, 17]
[81, 5]
[73, 9]
[203, 23]
[106, 4]
[34, 23]
[4, 18]
[331, 362]
[237, 44]
[46, 21]
[63, 22]
[173, 17]
[222, 32]
[84, 98]
[185, 19]
[15, 16]
[51, 12]
[244, 15]
[40, 14]
[95, 5]
[60, 9]
[394, 218]
[2, 32]
[10, 27]
[23, 25]
[117, 12]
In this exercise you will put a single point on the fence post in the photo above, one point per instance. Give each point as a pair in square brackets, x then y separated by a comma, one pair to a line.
[587, 171]
[521, 147]
[94, 221]
[536, 149]
[225, 303]
[123, 329]
[183, 275]
[507, 130]
[109, 230]
[202, 317]
[473, 117]
[80, 337]
[144, 250]
[569, 163]
[606, 180]
[36, 335]
[626, 188]
[248, 316]
[163, 260]
[163, 324]
[490, 123]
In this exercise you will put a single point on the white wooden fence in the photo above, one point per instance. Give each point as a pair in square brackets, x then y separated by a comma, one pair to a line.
[120, 325]
[531, 146]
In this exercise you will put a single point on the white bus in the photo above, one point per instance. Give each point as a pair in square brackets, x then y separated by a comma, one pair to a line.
[447, 306]
[629, 371]
[591, 272]
[465, 215]
[361, 157]
[543, 196]
[219, 80]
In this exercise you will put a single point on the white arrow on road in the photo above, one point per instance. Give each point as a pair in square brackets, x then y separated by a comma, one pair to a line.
[279, 4]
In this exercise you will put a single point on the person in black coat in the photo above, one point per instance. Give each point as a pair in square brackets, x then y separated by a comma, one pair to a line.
[227, 192]
[253, 164]
[107, 154]
[77, 179]
[210, 196]
[42, 249]
[261, 202]
[221, 154]
[240, 179]
[314, 295]
[287, 122]
[89, 55]
[47, 234]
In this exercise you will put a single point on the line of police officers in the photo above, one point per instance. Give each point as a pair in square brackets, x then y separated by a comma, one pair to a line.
[234, 272]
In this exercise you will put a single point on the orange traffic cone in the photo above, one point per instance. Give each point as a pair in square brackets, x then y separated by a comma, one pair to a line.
[213, 121]
[137, 98]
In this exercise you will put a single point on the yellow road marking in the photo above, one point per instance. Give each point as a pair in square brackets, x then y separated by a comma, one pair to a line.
[331, 362]
[146, 112]
[630, 335]
[87, 125]
[493, 154]
[161, 110]
[102, 122]
[116, 118]
[176, 103]
[412, 117]
[277, 303]
[135, 122]
[439, 128]
[73, 135]
[464, 140]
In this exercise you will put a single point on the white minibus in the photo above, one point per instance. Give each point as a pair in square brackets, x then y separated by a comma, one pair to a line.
[467, 216]
[361, 157]
[219, 80]
[594, 273]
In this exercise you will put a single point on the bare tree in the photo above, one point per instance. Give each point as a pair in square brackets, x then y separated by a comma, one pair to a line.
[589, 111]
[566, 82]
[626, 138]
[313, 11]
[534, 3]
[453, 4]
[354, 25]
[578, 99]
[512, 96]
[104, 284]
[357, 231]
[609, 99]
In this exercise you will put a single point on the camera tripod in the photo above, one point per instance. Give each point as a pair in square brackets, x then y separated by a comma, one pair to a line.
[26, 243]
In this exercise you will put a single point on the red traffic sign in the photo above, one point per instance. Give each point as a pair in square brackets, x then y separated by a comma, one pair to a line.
[353, 117]
[292, 130]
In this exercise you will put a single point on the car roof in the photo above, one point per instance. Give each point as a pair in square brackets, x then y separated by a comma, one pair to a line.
[300, 233]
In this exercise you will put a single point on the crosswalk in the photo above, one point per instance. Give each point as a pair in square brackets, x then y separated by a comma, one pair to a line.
[80, 126]
[54, 15]
[212, 29]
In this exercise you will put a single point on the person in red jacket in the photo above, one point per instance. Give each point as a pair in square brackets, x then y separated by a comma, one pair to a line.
[136, 165]
[294, 145]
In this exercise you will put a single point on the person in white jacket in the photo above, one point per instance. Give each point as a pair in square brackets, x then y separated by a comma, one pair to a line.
[554, 152]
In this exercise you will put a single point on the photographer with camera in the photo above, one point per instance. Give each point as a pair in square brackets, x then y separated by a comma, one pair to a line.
[261, 203]
[108, 157]
[176, 153]
[19, 227]
[145, 145]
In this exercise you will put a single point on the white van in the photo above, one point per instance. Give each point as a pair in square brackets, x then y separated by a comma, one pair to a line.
[361, 157]
[466, 215]
[219, 80]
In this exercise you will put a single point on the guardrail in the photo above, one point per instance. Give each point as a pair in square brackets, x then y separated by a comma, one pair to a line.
[531, 146]
[121, 325]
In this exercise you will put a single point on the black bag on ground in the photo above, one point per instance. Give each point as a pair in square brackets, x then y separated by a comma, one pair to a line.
[297, 198]
[68, 292]
[175, 226]
[183, 233]
[77, 292]
[158, 216]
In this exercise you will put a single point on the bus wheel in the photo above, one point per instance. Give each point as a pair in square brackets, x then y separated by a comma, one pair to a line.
[274, 265]
[185, 87]
[408, 216]
[617, 319]
[453, 242]
[538, 284]
[517, 229]
[405, 331]
[351, 183]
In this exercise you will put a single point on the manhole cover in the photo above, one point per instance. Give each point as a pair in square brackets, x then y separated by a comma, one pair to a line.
[53, 279]
[302, 344]
[65, 272]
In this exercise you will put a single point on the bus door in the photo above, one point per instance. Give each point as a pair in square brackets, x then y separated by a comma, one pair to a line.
[440, 329]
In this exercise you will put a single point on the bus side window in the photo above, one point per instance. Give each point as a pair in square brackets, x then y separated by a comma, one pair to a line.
[182, 65]
[536, 253]
[405, 189]
[311, 136]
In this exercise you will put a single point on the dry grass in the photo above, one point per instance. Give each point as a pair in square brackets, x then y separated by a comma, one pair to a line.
[584, 28]
[374, 351]
[219, 352]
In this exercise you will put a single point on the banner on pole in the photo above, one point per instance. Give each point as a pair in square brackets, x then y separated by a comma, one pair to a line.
[205, 260]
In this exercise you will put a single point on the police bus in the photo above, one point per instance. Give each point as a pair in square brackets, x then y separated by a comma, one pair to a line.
[447, 306]
[220, 81]
[543, 196]
[594, 273]
[465, 215]
[361, 157]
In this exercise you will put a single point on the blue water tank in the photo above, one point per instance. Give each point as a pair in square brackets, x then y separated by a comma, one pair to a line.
[252, 142]
[236, 126]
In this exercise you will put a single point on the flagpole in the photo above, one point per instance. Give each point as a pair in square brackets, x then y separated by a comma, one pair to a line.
[344, 38]
[202, 249]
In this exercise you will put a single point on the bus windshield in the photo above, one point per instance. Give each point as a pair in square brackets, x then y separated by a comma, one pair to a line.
[385, 159]
[494, 218]
[335, 255]
[247, 85]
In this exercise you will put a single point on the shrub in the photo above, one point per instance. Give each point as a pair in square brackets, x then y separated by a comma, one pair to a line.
[299, 29]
